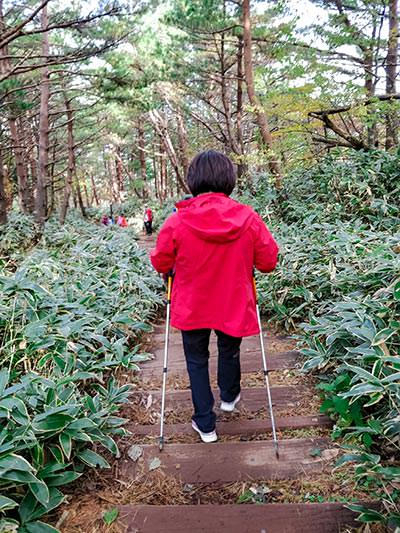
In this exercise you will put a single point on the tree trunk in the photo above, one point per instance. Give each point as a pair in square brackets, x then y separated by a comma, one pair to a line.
[3, 198]
[163, 172]
[142, 158]
[24, 196]
[254, 101]
[24, 191]
[119, 171]
[391, 72]
[241, 167]
[94, 190]
[42, 177]
[79, 196]
[113, 178]
[71, 161]
[183, 142]
[163, 132]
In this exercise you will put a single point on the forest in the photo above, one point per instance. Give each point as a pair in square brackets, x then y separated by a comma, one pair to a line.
[103, 104]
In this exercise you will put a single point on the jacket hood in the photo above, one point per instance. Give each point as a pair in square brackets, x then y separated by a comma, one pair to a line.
[215, 217]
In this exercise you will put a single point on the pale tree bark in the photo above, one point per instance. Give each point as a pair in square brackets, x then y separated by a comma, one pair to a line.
[79, 196]
[24, 197]
[24, 191]
[163, 181]
[183, 141]
[142, 158]
[94, 190]
[42, 177]
[225, 92]
[119, 170]
[3, 197]
[392, 118]
[85, 190]
[113, 178]
[254, 100]
[69, 179]
[162, 130]
[241, 167]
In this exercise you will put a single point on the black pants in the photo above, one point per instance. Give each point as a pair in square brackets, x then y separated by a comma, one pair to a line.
[195, 345]
[148, 225]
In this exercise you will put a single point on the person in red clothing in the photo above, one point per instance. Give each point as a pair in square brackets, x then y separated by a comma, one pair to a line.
[148, 220]
[213, 244]
[121, 221]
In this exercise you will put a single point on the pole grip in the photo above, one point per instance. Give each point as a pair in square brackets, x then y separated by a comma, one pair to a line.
[169, 288]
[255, 287]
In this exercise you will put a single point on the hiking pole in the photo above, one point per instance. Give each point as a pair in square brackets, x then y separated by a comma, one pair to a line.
[266, 371]
[164, 385]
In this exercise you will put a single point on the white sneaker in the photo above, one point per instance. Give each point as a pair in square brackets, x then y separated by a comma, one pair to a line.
[229, 406]
[205, 437]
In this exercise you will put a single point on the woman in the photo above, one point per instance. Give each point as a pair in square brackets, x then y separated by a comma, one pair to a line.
[213, 243]
[148, 220]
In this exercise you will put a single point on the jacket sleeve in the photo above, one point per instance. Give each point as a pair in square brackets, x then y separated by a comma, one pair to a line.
[265, 247]
[163, 255]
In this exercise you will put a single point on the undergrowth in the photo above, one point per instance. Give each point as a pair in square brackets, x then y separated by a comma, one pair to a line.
[71, 311]
[338, 282]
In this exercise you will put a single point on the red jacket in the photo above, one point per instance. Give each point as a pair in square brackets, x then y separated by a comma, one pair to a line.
[213, 243]
[148, 215]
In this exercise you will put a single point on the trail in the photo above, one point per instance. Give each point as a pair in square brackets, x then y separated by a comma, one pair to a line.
[192, 487]
[244, 451]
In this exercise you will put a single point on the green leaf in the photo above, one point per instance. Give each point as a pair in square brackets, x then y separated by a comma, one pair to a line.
[110, 516]
[18, 476]
[382, 336]
[40, 491]
[361, 390]
[4, 376]
[7, 503]
[396, 291]
[39, 527]
[62, 479]
[66, 444]
[371, 516]
[92, 459]
[14, 462]
[52, 423]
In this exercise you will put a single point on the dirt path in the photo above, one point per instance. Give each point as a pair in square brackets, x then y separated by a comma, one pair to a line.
[193, 487]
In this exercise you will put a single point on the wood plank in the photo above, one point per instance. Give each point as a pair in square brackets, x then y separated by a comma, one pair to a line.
[267, 518]
[176, 357]
[238, 427]
[252, 343]
[251, 399]
[279, 361]
[232, 461]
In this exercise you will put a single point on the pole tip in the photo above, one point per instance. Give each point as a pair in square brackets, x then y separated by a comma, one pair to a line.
[277, 451]
[161, 444]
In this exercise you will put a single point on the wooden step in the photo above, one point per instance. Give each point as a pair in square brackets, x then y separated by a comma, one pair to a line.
[248, 343]
[249, 363]
[265, 518]
[232, 461]
[251, 399]
[238, 427]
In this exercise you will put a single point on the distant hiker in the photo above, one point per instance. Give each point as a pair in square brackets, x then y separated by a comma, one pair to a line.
[148, 220]
[122, 221]
[213, 243]
[104, 220]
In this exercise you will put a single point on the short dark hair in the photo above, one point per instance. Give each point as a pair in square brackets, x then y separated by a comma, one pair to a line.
[211, 171]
